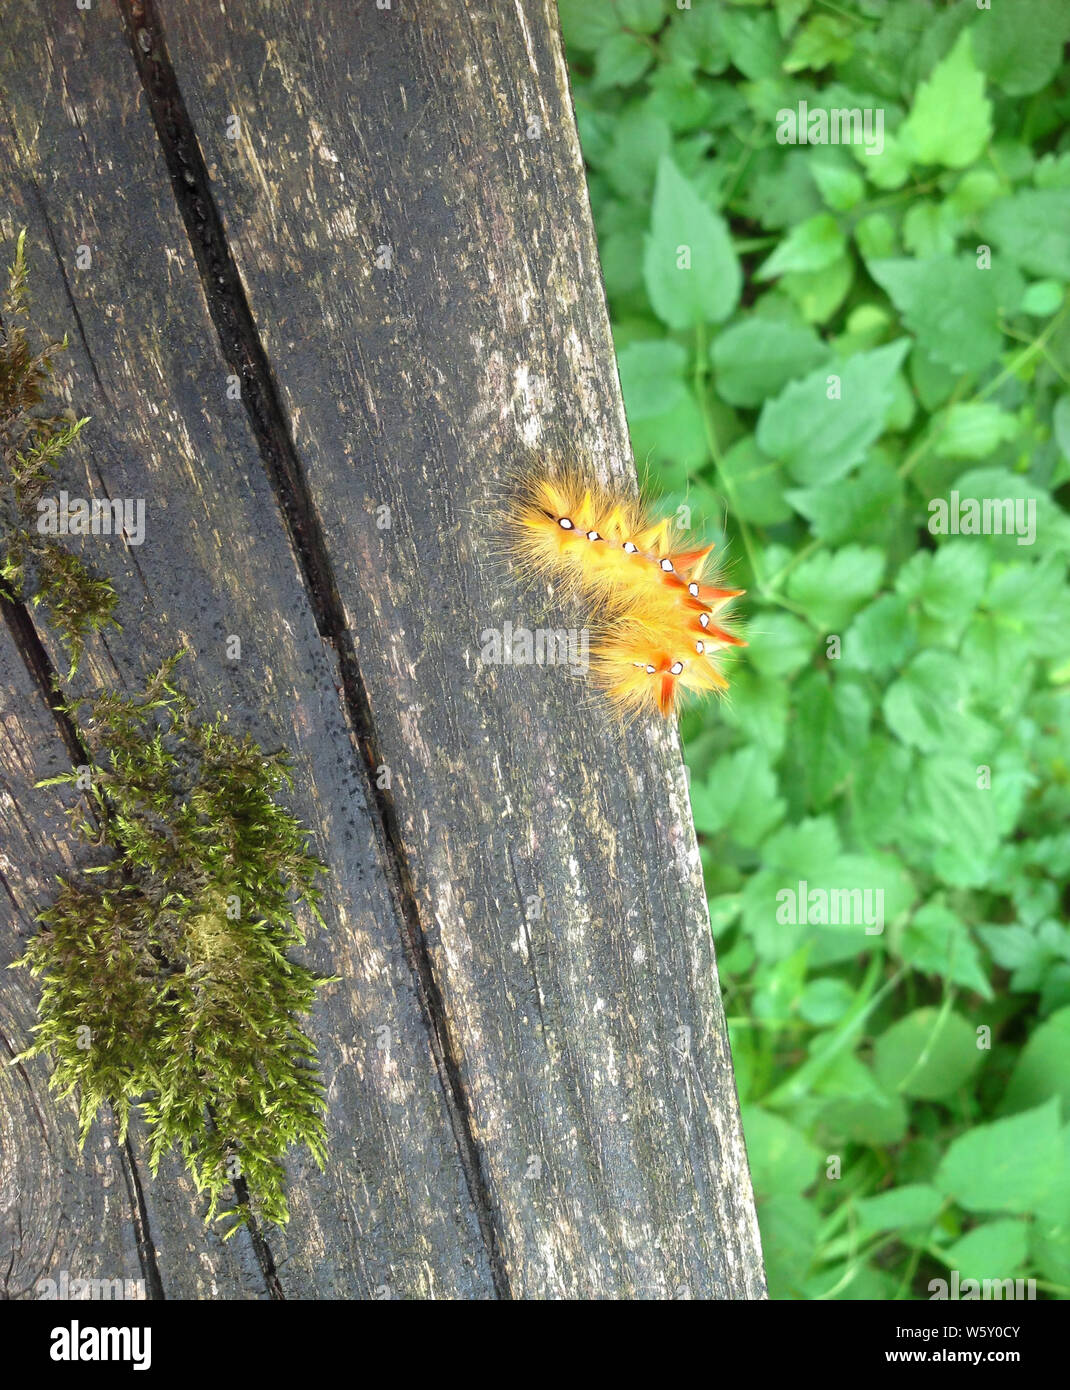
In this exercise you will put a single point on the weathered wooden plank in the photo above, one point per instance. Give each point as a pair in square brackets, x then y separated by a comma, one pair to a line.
[80, 167]
[59, 1210]
[404, 194]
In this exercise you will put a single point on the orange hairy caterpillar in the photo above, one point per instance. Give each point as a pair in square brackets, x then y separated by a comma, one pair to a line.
[651, 605]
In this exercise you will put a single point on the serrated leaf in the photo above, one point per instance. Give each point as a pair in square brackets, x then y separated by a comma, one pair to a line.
[993, 1251]
[691, 272]
[1030, 228]
[951, 119]
[924, 706]
[739, 797]
[831, 725]
[820, 439]
[1008, 1165]
[756, 358]
[861, 506]
[811, 245]
[936, 942]
[830, 586]
[914, 1206]
[1022, 57]
[1043, 1068]
[755, 483]
[951, 306]
[621, 61]
[651, 377]
[974, 429]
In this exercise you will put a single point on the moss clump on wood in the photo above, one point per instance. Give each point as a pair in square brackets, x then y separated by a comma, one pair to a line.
[34, 569]
[167, 983]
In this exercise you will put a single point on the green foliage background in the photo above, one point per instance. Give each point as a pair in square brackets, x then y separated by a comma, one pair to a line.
[861, 769]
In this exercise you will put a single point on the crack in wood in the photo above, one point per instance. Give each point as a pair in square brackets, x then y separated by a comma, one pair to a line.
[244, 352]
[36, 660]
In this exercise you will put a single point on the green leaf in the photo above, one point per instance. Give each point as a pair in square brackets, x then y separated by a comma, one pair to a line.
[641, 16]
[779, 643]
[825, 1001]
[759, 709]
[822, 40]
[973, 430]
[640, 138]
[924, 706]
[989, 1252]
[587, 24]
[840, 187]
[676, 96]
[912, 1207]
[830, 586]
[1008, 1165]
[756, 358]
[860, 507]
[929, 229]
[1050, 1235]
[694, 37]
[817, 294]
[937, 943]
[887, 167]
[651, 377]
[879, 791]
[673, 445]
[739, 796]
[820, 439]
[951, 119]
[1060, 423]
[875, 1118]
[951, 306]
[753, 42]
[686, 233]
[620, 61]
[755, 484]
[1022, 51]
[790, 1229]
[949, 583]
[832, 724]
[1042, 298]
[882, 636]
[1043, 1068]
[781, 1158]
[950, 821]
[1030, 228]
[875, 237]
[858, 1108]
[926, 1055]
[974, 191]
[811, 245]
[1051, 532]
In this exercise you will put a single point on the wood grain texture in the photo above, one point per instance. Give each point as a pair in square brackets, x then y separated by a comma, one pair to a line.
[404, 195]
[80, 165]
[59, 1209]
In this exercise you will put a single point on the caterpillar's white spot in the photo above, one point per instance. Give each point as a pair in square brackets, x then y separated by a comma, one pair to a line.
[650, 670]
[629, 548]
[704, 620]
[565, 524]
[700, 647]
[692, 589]
[676, 668]
[593, 536]
[666, 565]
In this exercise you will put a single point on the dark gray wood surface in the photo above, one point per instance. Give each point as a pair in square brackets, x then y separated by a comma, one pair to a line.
[520, 902]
